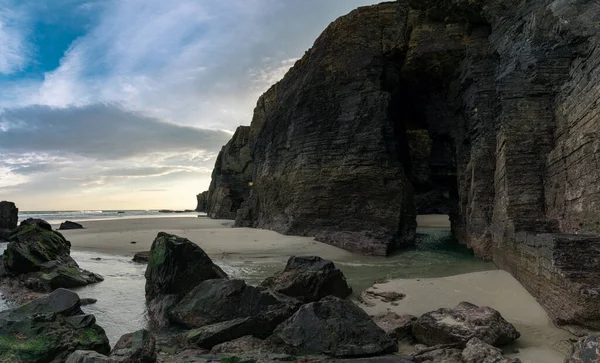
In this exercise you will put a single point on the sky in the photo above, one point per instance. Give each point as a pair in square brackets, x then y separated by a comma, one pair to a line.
[125, 104]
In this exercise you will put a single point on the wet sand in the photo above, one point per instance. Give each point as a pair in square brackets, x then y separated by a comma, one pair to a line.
[540, 341]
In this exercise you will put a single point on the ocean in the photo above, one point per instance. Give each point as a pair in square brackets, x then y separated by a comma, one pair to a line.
[55, 217]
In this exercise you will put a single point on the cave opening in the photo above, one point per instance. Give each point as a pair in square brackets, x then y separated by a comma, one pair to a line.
[423, 123]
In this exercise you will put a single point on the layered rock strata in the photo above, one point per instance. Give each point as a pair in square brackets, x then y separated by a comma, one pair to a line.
[486, 111]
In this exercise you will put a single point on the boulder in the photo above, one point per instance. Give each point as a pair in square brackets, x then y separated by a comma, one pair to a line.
[210, 335]
[460, 324]
[220, 300]
[88, 356]
[9, 215]
[136, 347]
[176, 266]
[249, 345]
[141, 257]
[586, 350]
[308, 279]
[396, 326]
[38, 258]
[48, 329]
[449, 353]
[477, 351]
[334, 327]
[70, 225]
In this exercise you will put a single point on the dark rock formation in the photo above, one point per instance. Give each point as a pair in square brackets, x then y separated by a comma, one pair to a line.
[88, 356]
[308, 279]
[586, 350]
[39, 258]
[141, 257]
[70, 225]
[336, 328]
[176, 265]
[485, 110]
[202, 200]
[48, 330]
[396, 326]
[136, 347]
[9, 215]
[220, 300]
[460, 324]
[231, 178]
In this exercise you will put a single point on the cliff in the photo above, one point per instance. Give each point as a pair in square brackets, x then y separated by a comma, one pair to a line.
[487, 111]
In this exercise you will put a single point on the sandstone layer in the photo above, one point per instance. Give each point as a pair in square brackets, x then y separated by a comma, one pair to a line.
[486, 111]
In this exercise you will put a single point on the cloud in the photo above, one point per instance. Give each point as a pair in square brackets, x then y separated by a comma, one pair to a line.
[99, 132]
[13, 46]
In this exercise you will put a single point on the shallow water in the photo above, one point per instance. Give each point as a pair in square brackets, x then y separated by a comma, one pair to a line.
[120, 306]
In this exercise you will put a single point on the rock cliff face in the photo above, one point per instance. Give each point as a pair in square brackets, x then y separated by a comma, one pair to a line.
[485, 110]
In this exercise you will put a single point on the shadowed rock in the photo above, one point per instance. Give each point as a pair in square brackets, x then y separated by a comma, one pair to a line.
[308, 279]
[462, 323]
[334, 327]
[141, 257]
[136, 347]
[48, 330]
[9, 215]
[176, 265]
[70, 225]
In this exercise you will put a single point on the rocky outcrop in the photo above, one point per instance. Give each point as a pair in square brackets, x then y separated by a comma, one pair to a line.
[485, 110]
[39, 258]
[70, 225]
[308, 279]
[231, 178]
[336, 328]
[461, 324]
[176, 266]
[141, 257]
[48, 330]
[9, 215]
[202, 202]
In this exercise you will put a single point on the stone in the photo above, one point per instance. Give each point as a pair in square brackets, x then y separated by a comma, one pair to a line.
[39, 259]
[220, 300]
[477, 351]
[70, 225]
[438, 354]
[202, 202]
[460, 107]
[141, 257]
[334, 327]
[210, 335]
[395, 326]
[176, 266]
[462, 323]
[231, 177]
[49, 329]
[136, 347]
[586, 350]
[249, 345]
[309, 279]
[88, 356]
[9, 215]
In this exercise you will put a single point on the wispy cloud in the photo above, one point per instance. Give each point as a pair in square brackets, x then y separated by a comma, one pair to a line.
[14, 51]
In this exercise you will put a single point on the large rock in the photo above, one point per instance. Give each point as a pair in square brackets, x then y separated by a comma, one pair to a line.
[586, 350]
[216, 301]
[202, 202]
[88, 356]
[48, 330]
[136, 347]
[70, 225]
[462, 323]
[334, 327]
[9, 215]
[477, 351]
[396, 326]
[39, 258]
[309, 279]
[176, 265]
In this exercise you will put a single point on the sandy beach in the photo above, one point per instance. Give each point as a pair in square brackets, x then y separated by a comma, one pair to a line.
[540, 342]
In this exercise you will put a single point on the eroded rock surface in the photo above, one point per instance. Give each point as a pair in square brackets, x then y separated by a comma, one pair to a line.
[586, 350]
[309, 278]
[461, 324]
